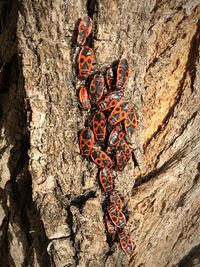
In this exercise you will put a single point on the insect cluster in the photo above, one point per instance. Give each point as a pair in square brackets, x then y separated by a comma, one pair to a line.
[104, 140]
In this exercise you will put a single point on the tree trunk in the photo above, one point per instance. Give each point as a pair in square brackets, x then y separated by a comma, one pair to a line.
[51, 203]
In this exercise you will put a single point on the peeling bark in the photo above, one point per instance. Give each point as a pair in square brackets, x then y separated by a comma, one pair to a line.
[51, 210]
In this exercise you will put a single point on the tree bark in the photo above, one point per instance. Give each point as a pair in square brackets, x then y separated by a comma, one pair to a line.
[50, 200]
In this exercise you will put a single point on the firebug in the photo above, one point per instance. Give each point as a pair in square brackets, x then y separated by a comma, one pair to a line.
[116, 216]
[84, 30]
[86, 140]
[110, 79]
[111, 228]
[99, 126]
[101, 158]
[116, 199]
[110, 100]
[119, 113]
[106, 180]
[116, 135]
[131, 121]
[85, 61]
[84, 99]
[123, 146]
[126, 243]
[122, 73]
[96, 89]
[121, 160]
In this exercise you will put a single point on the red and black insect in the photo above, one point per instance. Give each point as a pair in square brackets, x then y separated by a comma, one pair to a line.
[99, 126]
[121, 160]
[84, 99]
[116, 135]
[111, 100]
[86, 140]
[84, 30]
[123, 146]
[110, 79]
[131, 121]
[110, 151]
[96, 89]
[119, 113]
[122, 73]
[126, 243]
[111, 228]
[116, 216]
[106, 180]
[116, 199]
[101, 158]
[85, 61]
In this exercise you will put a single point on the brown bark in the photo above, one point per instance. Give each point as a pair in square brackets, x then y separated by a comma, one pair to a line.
[51, 203]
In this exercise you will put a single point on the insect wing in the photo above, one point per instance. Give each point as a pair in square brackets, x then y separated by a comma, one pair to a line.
[123, 146]
[106, 180]
[110, 79]
[84, 30]
[126, 243]
[131, 121]
[101, 158]
[121, 160]
[84, 99]
[85, 61]
[116, 136]
[111, 100]
[116, 216]
[96, 89]
[122, 73]
[86, 140]
[119, 113]
[116, 199]
[99, 126]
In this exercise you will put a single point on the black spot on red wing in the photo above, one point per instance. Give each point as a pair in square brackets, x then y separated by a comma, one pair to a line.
[96, 124]
[82, 28]
[103, 156]
[86, 134]
[95, 154]
[82, 142]
[117, 116]
[92, 89]
[115, 219]
[99, 131]
[123, 114]
[98, 161]
[131, 116]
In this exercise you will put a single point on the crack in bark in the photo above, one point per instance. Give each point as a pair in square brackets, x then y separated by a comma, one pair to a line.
[187, 260]
[79, 201]
[197, 176]
[192, 57]
[92, 7]
[183, 128]
[156, 172]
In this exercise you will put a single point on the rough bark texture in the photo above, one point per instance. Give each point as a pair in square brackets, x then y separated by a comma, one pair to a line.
[50, 201]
